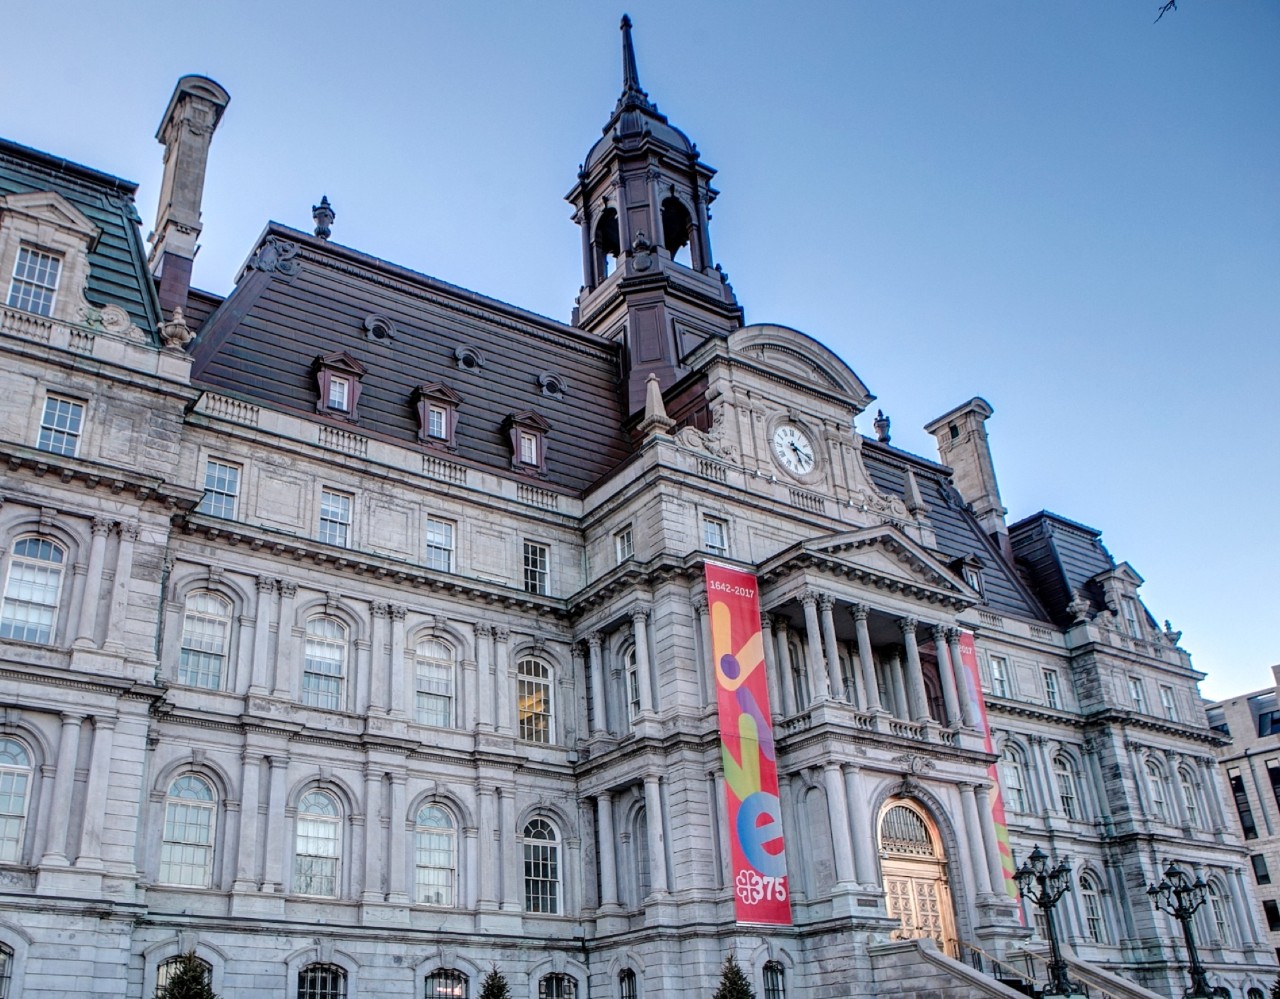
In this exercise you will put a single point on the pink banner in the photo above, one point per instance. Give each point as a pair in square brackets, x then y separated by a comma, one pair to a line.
[747, 751]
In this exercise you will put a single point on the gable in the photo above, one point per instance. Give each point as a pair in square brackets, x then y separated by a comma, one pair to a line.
[52, 209]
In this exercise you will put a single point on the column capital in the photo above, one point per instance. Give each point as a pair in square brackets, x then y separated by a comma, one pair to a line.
[700, 604]
[72, 717]
[380, 608]
[766, 622]
[908, 625]
[604, 797]
[484, 629]
[860, 612]
[279, 762]
[501, 634]
[953, 634]
[639, 614]
[780, 624]
[105, 723]
[826, 601]
[965, 787]
[830, 765]
[809, 598]
[595, 640]
[652, 777]
[129, 530]
[397, 611]
[100, 527]
[939, 633]
[288, 588]
[265, 584]
[851, 768]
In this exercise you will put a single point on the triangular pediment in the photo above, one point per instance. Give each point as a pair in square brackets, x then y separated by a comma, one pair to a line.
[52, 208]
[880, 556]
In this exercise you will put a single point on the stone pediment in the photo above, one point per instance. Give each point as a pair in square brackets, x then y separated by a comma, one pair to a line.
[55, 210]
[794, 355]
[880, 556]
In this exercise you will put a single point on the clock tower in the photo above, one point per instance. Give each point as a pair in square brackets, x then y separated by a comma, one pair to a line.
[649, 278]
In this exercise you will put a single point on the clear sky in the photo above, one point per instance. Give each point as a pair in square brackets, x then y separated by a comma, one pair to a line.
[1062, 207]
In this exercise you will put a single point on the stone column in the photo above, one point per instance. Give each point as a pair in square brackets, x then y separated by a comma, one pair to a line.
[64, 779]
[608, 853]
[504, 682]
[1213, 791]
[487, 846]
[860, 828]
[471, 867]
[599, 712]
[1250, 931]
[973, 837]
[274, 876]
[101, 527]
[657, 841]
[247, 841]
[917, 702]
[968, 710]
[786, 677]
[837, 818]
[896, 685]
[122, 584]
[511, 853]
[379, 679]
[817, 670]
[398, 860]
[373, 834]
[771, 667]
[484, 675]
[991, 846]
[99, 783]
[644, 678]
[950, 696]
[399, 688]
[287, 660]
[1179, 795]
[825, 604]
[259, 676]
[865, 658]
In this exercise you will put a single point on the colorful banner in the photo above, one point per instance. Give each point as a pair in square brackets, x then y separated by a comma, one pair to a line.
[969, 657]
[746, 749]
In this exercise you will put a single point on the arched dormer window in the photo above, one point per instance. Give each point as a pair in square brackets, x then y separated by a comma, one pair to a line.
[435, 847]
[677, 228]
[186, 849]
[541, 868]
[32, 591]
[15, 798]
[434, 674]
[318, 845]
[606, 245]
[206, 627]
[1013, 778]
[324, 670]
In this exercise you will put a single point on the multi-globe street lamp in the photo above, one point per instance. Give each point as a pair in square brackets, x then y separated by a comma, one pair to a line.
[1043, 886]
[1180, 897]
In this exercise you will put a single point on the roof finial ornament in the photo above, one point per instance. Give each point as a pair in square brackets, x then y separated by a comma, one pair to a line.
[632, 93]
[656, 420]
[881, 423]
[323, 214]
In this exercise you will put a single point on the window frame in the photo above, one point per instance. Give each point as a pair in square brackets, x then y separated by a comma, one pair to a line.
[423, 829]
[536, 726]
[328, 829]
[209, 807]
[213, 479]
[537, 573]
[330, 370]
[14, 301]
[42, 575]
[332, 530]
[443, 984]
[528, 425]
[543, 877]
[557, 985]
[443, 663]
[1132, 617]
[1158, 790]
[187, 647]
[999, 674]
[1138, 694]
[1052, 688]
[317, 989]
[1093, 909]
[14, 825]
[1012, 762]
[314, 694]
[773, 980]
[1168, 702]
[432, 398]
[714, 524]
[51, 435]
[1066, 777]
[624, 544]
[431, 548]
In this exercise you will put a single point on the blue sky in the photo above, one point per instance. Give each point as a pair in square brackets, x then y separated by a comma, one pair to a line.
[1062, 207]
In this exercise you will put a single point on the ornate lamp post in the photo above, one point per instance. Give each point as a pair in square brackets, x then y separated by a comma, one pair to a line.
[1179, 896]
[1043, 886]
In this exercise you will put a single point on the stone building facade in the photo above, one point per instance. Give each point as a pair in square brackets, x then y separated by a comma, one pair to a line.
[354, 633]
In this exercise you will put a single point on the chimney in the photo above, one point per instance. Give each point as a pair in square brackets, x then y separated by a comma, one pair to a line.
[962, 444]
[185, 132]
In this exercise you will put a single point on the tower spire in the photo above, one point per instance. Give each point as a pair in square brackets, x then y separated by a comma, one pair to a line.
[633, 95]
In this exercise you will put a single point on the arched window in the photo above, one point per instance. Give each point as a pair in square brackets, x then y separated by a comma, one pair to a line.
[557, 987]
[1095, 926]
[676, 225]
[1188, 784]
[325, 667]
[1254, 994]
[1155, 784]
[1218, 913]
[318, 845]
[541, 868]
[205, 627]
[632, 672]
[775, 986]
[322, 981]
[627, 984]
[606, 243]
[1013, 777]
[15, 794]
[533, 699]
[31, 591]
[435, 846]
[6, 971]
[446, 983]
[640, 848]
[433, 662]
[1064, 773]
[167, 970]
[186, 852]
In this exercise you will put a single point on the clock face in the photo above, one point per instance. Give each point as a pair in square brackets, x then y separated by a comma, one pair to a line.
[793, 449]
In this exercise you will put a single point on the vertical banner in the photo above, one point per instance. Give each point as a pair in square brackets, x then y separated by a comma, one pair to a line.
[969, 656]
[752, 807]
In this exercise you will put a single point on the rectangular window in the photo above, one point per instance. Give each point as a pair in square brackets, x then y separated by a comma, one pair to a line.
[339, 393]
[624, 544]
[1051, 695]
[335, 517]
[437, 422]
[439, 544]
[528, 448]
[1167, 703]
[1131, 619]
[1260, 873]
[1136, 695]
[60, 425]
[35, 281]
[1272, 910]
[1243, 808]
[221, 487]
[536, 568]
[974, 578]
[999, 675]
[1273, 775]
[715, 536]
[1268, 724]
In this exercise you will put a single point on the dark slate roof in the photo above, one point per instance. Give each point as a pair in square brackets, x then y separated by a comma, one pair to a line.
[118, 263]
[200, 306]
[957, 530]
[1060, 556]
[262, 343]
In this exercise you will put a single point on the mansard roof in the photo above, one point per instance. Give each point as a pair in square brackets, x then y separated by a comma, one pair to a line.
[1061, 558]
[299, 297]
[117, 258]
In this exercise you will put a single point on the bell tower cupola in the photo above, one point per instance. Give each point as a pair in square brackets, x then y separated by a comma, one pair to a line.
[649, 278]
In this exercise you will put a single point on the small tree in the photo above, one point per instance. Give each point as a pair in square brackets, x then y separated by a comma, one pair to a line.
[1275, 988]
[188, 979]
[495, 985]
[734, 984]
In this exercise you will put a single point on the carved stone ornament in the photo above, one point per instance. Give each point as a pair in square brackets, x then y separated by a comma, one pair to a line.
[712, 442]
[176, 334]
[276, 255]
[1078, 608]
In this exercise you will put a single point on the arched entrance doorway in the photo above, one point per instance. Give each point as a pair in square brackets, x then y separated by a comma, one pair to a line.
[914, 867]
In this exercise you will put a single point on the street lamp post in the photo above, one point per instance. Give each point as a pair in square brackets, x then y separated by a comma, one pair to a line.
[1043, 886]
[1180, 897]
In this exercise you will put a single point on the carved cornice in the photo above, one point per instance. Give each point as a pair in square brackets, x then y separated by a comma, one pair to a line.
[95, 475]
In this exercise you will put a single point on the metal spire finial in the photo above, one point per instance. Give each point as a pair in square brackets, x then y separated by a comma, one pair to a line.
[323, 214]
[632, 92]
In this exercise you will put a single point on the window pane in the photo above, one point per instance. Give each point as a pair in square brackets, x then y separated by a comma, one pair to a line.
[204, 641]
[35, 281]
[439, 544]
[533, 700]
[15, 783]
[541, 868]
[435, 852]
[186, 852]
[221, 486]
[335, 517]
[325, 664]
[31, 591]
[60, 425]
[322, 981]
[536, 562]
[446, 984]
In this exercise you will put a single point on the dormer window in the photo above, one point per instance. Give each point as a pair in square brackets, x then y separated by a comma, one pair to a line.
[969, 569]
[338, 384]
[35, 281]
[527, 433]
[437, 407]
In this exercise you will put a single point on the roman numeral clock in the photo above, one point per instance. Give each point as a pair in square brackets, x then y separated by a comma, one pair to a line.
[794, 450]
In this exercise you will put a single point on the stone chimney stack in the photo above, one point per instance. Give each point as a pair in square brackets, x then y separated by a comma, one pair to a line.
[962, 444]
[185, 132]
